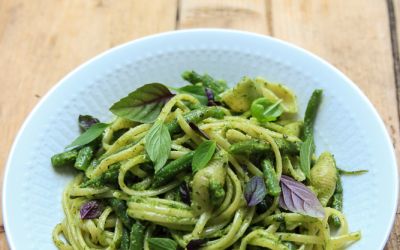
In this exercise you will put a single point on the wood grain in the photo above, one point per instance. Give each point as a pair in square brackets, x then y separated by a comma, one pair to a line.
[234, 14]
[352, 35]
[42, 40]
[394, 19]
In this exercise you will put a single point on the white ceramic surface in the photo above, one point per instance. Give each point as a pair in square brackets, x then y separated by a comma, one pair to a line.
[347, 123]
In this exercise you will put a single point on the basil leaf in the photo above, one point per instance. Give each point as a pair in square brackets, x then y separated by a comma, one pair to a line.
[195, 244]
[198, 130]
[296, 197]
[255, 191]
[307, 149]
[91, 210]
[89, 135]
[162, 244]
[158, 144]
[184, 192]
[144, 104]
[265, 110]
[86, 121]
[203, 154]
[197, 91]
[211, 98]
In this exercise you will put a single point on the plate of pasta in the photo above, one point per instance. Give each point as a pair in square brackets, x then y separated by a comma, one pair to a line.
[202, 139]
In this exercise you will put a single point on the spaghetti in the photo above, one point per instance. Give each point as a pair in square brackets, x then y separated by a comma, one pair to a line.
[253, 157]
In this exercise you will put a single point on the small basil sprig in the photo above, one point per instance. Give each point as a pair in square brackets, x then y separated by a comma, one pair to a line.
[202, 155]
[158, 144]
[88, 136]
[255, 191]
[86, 121]
[265, 110]
[307, 149]
[144, 104]
[296, 197]
[162, 244]
[91, 209]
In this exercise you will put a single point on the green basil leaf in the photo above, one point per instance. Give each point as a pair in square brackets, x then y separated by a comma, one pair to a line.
[158, 144]
[203, 154]
[197, 91]
[265, 110]
[144, 104]
[89, 135]
[306, 151]
[162, 244]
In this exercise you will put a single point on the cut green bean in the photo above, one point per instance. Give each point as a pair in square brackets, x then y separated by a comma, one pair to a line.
[124, 245]
[173, 168]
[108, 177]
[271, 180]
[257, 146]
[84, 157]
[137, 236]
[64, 159]
[311, 112]
[195, 116]
[218, 86]
[119, 207]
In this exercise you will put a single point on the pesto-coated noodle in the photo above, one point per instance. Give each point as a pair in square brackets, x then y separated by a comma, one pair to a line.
[241, 196]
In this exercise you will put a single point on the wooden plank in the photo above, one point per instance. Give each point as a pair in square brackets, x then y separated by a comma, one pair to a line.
[394, 21]
[42, 40]
[3, 241]
[352, 35]
[235, 14]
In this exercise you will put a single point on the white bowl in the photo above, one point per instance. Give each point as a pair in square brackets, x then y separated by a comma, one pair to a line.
[347, 124]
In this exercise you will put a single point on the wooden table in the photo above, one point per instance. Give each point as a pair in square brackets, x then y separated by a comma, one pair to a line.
[42, 40]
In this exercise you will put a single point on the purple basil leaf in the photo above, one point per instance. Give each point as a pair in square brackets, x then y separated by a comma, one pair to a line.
[184, 193]
[210, 97]
[255, 191]
[296, 197]
[195, 244]
[198, 130]
[91, 210]
[86, 121]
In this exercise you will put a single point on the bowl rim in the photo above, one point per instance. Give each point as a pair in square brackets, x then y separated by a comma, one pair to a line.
[248, 34]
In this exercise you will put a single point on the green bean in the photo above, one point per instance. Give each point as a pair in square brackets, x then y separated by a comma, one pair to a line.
[337, 201]
[119, 207]
[218, 86]
[256, 146]
[271, 180]
[64, 159]
[124, 245]
[170, 170]
[195, 116]
[311, 112]
[108, 177]
[137, 236]
[84, 157]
